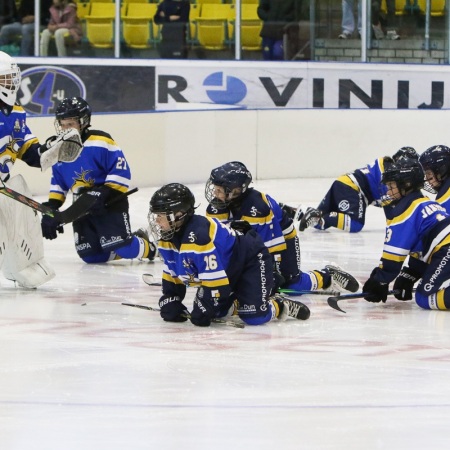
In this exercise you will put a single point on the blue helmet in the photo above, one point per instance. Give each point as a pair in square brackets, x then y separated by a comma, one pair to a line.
[405, 152]
[436, 159]
[233, 177]
[407, 173]
[74, 108]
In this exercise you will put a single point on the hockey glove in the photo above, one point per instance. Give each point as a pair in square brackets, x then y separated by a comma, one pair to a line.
[375, 291]
[101, 195]
[50, 226]
[203, 311]
[241, 225]
[172, 309]
[405, 283]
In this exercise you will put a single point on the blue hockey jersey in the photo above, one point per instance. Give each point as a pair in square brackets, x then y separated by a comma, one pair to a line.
[101, 162]
[199, 255]
[416, 225]
[368, 179]
[264, 214]
[17, 142]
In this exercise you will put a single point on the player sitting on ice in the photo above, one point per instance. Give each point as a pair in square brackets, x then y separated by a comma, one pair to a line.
[418, 227]
[344, 205]
[230, 198]
[21, 246]
[436, 165]
[232, 271]
[102, 171]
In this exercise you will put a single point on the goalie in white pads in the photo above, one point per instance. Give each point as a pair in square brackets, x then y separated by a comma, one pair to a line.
[22, 253]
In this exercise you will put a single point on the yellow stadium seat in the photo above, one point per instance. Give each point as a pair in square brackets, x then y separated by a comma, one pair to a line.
[437, 7]
[250, 27]
[194, 13]
[214, 25]
[100, 24]
[83, 9]
[139, 30]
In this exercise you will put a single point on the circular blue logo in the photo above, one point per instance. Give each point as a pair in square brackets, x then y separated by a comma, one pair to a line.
[231, 90]
[43, 87]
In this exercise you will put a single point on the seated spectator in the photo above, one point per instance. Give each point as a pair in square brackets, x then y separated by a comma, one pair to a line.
[64, 25]
[22, 25]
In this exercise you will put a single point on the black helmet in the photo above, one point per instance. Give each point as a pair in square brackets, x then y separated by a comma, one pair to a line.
[407, 173]
[74, 107]
[174, 200]
[436, 159]
[405, 152]
[229, 176]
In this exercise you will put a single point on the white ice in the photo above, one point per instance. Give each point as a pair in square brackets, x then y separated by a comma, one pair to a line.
[107, 376]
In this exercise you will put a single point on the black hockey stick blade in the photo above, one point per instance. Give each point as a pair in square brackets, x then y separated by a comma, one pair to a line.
[82, 206]
[149, 279]
[332, 301]
[220, 321]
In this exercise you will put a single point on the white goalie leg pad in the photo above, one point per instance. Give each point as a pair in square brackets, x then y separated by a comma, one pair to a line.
[4, 238]
[24, 257]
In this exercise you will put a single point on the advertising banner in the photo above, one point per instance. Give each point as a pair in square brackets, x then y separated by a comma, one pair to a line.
[158, 85]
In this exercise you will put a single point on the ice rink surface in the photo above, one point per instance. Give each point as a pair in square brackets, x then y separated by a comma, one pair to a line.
[104, 376]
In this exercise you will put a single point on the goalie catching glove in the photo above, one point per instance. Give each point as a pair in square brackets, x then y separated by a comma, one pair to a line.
[66, 147]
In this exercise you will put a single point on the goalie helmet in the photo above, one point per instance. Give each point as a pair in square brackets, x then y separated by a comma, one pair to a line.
[405, 152]
[436, 159]
[10, 79]
[73, 108]
[177, 203]
[407, 173]
[233, 177]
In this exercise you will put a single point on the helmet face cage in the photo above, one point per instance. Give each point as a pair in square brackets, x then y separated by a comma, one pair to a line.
[73, 108]
[408, 175]
[176, 203]
[436, 159]
[233, 178]
[10, 79]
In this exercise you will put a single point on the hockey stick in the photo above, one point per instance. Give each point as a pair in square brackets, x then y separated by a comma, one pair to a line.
[293, 291]
[148, 278]
[188, 316]
[78, 209]
[332, 301]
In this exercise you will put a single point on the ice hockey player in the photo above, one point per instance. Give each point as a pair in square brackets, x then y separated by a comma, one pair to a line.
[232, 271]
[102, 170]
[436, 165]
[344, 205]
[231, 199]
[418, 227]
[22, 251]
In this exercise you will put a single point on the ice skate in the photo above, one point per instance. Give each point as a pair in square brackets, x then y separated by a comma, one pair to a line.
[340, 279]
[310, 218]
[291, 308]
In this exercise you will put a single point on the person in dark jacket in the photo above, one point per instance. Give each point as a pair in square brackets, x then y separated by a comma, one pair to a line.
[276, 16]
[8, 12]
[173, 15]
[23, 25]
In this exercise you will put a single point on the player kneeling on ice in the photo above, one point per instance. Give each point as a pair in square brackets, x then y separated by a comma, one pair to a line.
[21, 246]
[418, 227]
[100, 172]
[230, 198]
[233, 271]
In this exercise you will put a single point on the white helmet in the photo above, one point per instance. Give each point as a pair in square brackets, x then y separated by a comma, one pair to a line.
[9, 80]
